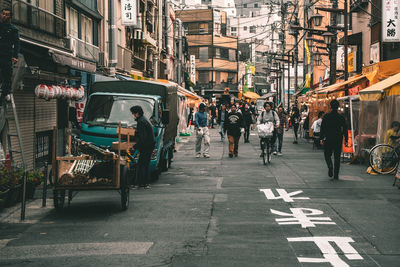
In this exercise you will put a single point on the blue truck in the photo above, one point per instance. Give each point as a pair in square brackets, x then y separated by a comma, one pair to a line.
[109, 104]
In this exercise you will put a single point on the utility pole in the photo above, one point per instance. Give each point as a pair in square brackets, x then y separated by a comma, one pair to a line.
[283, 11]
[345, 42]
[179, 26]
[296, 60]
[288, 80]
[333, 46]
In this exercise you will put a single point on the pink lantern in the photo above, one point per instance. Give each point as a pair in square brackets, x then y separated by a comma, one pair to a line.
[75, 94]
[70, 92]
[64, 91]
[41, 91]
[81, 92]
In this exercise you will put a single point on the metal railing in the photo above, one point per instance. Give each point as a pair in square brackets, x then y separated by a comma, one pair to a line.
[124, 58]
[84, 50]
[33, 17]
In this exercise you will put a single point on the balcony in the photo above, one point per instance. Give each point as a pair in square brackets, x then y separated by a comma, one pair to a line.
[358, 5]
[36, 18]
[124, 59]
[83, 49]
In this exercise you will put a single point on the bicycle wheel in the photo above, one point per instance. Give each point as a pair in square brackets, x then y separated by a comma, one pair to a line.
[269, 152]
[383, 159]
[264, 153]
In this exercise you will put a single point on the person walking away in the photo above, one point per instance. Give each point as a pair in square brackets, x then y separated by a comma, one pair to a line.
[233, 124]
[222, 115]
[202, 132]
[392, 137]
[190, 117]
[145, 142]
[333, 128]
[304, 121]
[268, 115]
[280, 130]
[9, 49]
[316, 127]
[213, 113]
[295, 120]
[248, 120]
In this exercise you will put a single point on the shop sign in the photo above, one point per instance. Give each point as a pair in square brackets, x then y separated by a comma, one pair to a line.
[193, 68]
[374, 52]
[128, 12]
[351, 62]
[390, 21]
[354, 90]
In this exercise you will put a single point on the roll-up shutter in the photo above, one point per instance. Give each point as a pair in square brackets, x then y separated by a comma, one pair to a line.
[24, 105]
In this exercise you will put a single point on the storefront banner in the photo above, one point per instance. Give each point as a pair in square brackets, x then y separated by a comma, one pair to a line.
[390, 21]
[129, 12]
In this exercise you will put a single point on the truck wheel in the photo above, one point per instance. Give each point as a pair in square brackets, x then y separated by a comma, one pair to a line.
[170, 156]
[59, 199]
[124, 187]
[163, 164]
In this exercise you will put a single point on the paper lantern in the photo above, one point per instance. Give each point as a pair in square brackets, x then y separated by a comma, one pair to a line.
[57, 91]
[50, 92]
[41, 91]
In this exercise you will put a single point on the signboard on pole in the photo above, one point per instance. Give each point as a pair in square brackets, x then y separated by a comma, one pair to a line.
[193, 68]
[390, 21]
[129, 12]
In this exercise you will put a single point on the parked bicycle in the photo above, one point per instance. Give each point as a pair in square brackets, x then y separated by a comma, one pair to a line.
[384, 159]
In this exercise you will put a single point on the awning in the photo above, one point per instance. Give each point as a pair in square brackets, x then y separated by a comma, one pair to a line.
[251, 95]
[389, 86]
[73, 62]
[339, 86]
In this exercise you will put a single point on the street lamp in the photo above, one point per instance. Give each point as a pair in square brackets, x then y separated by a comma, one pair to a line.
[317, 19]
[328, 36]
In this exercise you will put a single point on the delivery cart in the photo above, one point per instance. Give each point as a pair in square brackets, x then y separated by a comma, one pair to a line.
[94, 168]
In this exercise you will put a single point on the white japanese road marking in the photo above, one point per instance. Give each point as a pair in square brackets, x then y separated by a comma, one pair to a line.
[299, 216]
[285, 196]
[329, 252]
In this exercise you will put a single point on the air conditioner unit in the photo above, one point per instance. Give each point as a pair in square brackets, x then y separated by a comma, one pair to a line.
[70, 43]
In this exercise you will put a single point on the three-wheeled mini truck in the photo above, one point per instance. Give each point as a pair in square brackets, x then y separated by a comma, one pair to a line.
[93, 169]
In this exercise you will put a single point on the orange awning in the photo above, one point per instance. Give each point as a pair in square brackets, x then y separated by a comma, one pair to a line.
[339, 86]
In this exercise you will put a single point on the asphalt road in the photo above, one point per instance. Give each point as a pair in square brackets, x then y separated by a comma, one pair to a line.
[220, 212]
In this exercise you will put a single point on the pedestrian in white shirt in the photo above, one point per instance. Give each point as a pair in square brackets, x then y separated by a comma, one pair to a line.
[316, 127]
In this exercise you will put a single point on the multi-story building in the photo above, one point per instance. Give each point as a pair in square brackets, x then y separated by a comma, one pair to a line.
[215, 51]
[59, 47]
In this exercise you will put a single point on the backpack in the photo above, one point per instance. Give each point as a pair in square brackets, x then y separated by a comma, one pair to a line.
[274, 114]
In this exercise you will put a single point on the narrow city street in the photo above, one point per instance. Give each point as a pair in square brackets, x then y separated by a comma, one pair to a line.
[219, 212]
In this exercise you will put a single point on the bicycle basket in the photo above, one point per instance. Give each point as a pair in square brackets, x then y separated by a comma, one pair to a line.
[265, 130]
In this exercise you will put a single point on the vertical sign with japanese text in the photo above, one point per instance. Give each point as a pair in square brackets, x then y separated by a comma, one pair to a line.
[390, 21]
[129, 12]
[193, 68]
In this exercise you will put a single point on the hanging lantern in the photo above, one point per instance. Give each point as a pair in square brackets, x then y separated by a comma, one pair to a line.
[57, 91]
[41, 91]
[52, 93]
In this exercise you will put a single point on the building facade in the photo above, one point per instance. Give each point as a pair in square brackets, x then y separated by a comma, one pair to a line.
[215, 52]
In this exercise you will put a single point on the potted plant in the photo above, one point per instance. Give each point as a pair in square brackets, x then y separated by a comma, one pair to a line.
[33, 179]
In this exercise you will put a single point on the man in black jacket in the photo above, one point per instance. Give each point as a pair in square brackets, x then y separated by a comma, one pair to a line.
[222, 115]
[233, 124]
[333, 128]
[9, 49]
[145, 142]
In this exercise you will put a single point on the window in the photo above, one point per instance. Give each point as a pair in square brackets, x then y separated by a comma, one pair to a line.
[244, 5]
[224, 53]
[256, 5]
[193, 28]
[203, 28]
[232, 55]
[194, 51]
[252, 29]
[231, 77]
[203, 77]
[203, 54]
[233, 29]
[72, 25]
[86, 29]
[43, 147]
[217, 52]
[245, 28]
